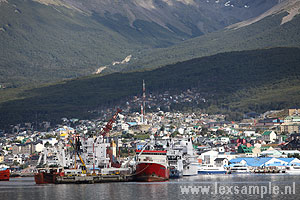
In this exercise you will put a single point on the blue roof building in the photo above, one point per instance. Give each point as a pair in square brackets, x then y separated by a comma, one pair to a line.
[264, 161]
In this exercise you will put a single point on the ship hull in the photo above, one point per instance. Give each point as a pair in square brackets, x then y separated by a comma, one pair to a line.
[174, 173]
[151, 172]
[4, 175]
[45, 177]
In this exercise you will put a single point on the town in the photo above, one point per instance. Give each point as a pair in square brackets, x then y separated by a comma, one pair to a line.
[258, 143]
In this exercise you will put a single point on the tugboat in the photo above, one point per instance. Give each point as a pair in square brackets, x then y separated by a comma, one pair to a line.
[4, 174]
[152, 165]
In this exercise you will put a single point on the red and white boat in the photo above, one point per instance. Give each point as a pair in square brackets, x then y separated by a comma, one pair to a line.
[4, 174]
[152, 165]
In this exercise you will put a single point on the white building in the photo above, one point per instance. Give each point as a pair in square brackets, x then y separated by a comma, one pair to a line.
[269, 136]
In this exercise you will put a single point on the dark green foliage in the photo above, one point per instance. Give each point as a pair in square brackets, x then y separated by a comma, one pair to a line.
[232, 83]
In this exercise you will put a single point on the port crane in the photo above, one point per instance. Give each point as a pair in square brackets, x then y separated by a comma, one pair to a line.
[104, 132]
[76, 148]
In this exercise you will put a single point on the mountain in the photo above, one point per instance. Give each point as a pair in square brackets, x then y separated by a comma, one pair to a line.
[278, 27]
[49, 40]
[42, 43]
[231, 83]
[192, 17]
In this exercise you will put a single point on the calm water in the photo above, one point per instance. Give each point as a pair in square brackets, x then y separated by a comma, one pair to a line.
[220, 187]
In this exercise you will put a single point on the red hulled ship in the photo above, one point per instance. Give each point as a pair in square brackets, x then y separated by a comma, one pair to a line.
[46, 176]
[4, 174]
[151, 166]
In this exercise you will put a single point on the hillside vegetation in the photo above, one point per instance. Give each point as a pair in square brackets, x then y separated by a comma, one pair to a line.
[44, 41]
[41, 43]
[232, 83]
[266, 33]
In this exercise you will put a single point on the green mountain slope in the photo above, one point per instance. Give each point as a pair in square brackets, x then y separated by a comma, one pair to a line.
[46, 43]
[232, 83]
[266, 33]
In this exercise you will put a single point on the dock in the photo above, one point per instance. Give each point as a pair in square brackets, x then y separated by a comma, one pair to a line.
[92, 179]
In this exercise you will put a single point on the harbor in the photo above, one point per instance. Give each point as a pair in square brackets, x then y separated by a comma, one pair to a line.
[154, 147]
[78, 158]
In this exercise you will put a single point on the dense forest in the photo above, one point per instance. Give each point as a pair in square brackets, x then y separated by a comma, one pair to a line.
[232, 83]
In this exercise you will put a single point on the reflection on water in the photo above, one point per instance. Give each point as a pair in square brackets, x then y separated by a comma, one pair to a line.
[25, 188]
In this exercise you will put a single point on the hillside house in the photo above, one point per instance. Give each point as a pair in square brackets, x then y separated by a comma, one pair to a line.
[269, 136]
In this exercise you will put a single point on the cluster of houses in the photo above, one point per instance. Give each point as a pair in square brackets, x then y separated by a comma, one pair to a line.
[250, 138]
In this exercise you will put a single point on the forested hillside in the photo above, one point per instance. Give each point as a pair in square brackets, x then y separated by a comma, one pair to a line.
[232, 83]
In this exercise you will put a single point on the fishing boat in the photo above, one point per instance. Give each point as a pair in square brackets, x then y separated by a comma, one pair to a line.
[47, 175]
[4, 174]
[151, 165]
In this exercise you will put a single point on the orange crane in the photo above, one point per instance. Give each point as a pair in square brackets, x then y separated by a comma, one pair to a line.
[109, 124]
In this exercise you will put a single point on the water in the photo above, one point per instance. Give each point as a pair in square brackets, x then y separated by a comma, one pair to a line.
[220, 187]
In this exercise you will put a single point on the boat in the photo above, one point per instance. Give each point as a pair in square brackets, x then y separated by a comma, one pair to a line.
[191, 169]
[4, 174]
[175, 173]
[151, 165]
[190, 160]
[293, 169]
[211, 169]
[175, 163]
[238, 168]
[47, 175]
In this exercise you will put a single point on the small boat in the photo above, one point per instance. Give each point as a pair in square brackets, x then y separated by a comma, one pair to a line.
[293, 169]
[4, 174]
[191, 169]
[211, 169]
[152, 165]
[238, 168]
[47, 175]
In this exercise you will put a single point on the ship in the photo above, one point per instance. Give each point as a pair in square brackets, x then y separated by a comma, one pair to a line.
[190, 161]
[175, 160]
[151, 166]
[4, 174]
[47, 175]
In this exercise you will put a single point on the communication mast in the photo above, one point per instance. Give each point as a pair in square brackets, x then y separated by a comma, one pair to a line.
[143, 113]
